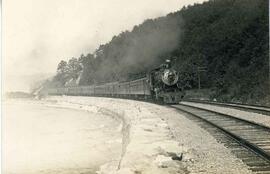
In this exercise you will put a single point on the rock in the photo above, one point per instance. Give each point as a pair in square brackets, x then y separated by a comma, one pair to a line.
[175, 156]
[161, 161]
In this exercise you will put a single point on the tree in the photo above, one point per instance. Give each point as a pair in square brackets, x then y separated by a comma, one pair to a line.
[62, 67]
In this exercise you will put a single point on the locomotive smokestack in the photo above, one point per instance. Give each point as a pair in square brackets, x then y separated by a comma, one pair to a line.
[168, 63]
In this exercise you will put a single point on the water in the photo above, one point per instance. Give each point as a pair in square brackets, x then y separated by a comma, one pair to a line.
[42, 139]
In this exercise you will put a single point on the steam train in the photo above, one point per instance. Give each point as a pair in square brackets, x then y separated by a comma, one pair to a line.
[160, 84]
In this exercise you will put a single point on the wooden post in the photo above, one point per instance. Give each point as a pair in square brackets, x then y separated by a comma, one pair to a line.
[200, 69]
[199, 79]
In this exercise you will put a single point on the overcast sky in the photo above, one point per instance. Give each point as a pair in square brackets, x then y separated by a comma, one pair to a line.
[37, 34]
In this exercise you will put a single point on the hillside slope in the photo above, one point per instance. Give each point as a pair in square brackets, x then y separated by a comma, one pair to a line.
[229, 38]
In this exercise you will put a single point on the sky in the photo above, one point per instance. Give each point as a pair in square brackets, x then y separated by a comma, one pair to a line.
[37, 34]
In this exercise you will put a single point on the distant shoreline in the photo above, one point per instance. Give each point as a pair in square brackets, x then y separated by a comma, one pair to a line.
[19, 94]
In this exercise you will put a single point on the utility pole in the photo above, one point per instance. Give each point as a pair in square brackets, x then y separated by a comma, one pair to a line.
[199, 80]
[269, 59]
[269, 76]
[200, 69]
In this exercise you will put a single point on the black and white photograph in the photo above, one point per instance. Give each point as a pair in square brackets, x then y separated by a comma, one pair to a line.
[135, 87]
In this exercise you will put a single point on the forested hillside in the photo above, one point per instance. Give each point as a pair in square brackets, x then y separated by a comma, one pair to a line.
[228, 38]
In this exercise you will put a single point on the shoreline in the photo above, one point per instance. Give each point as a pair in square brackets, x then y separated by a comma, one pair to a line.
[150, 137]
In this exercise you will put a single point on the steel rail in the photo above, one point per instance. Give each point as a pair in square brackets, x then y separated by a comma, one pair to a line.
[238, 138]
[251, 108]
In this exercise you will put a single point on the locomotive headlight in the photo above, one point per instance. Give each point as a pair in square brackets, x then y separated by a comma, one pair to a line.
[170, 77]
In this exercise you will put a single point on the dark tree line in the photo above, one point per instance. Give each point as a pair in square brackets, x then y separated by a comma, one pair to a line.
[227, 37]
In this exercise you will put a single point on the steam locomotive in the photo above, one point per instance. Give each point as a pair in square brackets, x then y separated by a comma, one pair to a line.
[160, 84]
[164, 84]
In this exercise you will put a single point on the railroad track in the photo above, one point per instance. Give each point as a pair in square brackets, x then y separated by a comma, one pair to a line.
[250, 108]
[249, 141]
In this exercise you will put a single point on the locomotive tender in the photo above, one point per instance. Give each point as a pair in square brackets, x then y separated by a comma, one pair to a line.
[160, 85]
